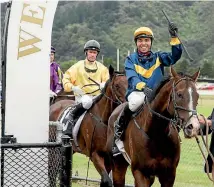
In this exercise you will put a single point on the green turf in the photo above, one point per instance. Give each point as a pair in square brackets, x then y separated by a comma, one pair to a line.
[190, 169]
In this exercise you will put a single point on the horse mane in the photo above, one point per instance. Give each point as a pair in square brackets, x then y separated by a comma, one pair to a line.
[164, 80]
[157, 89]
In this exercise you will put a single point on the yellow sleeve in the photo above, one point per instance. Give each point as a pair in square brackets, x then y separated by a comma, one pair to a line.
[175, 41]
[69, 79]
[105, 74]
[140, 85]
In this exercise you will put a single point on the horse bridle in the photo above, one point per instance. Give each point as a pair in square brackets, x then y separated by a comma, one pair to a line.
[177, 107]
[176, 118]
[118, 101]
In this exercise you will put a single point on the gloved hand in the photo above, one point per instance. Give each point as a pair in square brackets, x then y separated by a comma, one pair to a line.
[102, 85]
[173, 29]
[77, 90]
[149, 93]
[86, 101]
[52, 94]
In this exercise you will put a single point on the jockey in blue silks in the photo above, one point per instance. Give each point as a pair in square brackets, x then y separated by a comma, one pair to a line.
[144, 68]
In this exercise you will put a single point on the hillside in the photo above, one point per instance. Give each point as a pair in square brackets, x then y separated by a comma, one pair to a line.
[112, 23]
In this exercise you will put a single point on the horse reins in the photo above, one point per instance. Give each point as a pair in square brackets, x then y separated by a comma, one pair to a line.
[174, 121]
[176, 118]
[118, 101]
[98, 119]
[207, 148]
[194, 112]
[96, 83]
[176, 107]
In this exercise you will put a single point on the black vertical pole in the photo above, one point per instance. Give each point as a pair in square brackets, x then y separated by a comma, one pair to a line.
[66, 168]
[3, 63]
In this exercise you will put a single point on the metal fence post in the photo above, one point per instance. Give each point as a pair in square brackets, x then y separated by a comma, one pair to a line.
[66, 170]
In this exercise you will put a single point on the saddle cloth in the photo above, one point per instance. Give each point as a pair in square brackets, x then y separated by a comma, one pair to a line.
[64, 117]
[119, 143]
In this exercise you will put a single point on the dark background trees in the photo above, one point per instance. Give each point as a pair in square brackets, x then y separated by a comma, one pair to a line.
[112, 23]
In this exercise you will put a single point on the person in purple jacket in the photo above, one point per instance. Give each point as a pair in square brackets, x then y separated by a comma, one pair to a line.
[55, 75]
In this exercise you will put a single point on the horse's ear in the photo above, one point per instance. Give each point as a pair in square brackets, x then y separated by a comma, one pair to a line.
[173, 72]
[196, 75]
[111, 71]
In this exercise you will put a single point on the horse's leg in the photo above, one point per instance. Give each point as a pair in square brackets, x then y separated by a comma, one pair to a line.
[167, 177]
[152, 180]
[213, 171]
[98, 162]
[119, 171]
[141, 180]
[107, 163]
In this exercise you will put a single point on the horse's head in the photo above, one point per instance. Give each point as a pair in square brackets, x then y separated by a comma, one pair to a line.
[116, 86]
[182, 102]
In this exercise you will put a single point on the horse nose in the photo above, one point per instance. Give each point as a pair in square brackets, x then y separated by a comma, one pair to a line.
[189, 127]
[192, 127]
[188, 131]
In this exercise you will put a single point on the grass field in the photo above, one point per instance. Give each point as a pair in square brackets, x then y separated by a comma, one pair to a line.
[189, 172]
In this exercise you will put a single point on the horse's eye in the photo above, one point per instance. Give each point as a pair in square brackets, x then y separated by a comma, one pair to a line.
[179, 95]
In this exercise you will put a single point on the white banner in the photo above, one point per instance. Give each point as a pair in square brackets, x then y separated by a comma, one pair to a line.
[28, 70]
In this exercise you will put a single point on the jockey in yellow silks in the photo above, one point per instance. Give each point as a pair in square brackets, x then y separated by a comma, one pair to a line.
[77, 79]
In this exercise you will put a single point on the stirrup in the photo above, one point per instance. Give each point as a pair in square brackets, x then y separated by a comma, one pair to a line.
[116, 151]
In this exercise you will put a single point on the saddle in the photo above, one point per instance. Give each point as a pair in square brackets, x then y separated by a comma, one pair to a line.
[64, 118]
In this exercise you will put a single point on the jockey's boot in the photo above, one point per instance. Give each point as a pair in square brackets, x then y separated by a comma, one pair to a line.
[119, 128]
[75, 111]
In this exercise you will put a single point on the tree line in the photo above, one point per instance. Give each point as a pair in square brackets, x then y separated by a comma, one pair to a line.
[112, 24]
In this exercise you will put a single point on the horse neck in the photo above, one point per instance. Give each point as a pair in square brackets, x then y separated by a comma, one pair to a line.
[154, 125]
[105, 107]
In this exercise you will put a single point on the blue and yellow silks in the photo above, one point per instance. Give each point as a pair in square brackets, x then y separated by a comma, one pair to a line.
[144, 71]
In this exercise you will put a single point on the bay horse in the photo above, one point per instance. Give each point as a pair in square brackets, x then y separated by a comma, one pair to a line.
[92, 134]
[151, 139]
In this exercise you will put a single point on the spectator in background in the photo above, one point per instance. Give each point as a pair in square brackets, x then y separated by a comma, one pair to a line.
[210, 123]
[56, 75]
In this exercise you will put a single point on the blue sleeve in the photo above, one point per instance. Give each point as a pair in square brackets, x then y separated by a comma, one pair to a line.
[170, 58]
[131, 74]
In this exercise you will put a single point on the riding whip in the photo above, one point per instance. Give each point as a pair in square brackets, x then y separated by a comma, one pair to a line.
[191, 60]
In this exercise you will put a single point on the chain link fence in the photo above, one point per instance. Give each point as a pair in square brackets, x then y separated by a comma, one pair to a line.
[37, 165]
[49, 165]
[25, 166]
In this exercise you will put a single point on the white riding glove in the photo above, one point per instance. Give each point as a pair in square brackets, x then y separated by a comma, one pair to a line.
[52, 94]
[77, 90]
[86, 101]
[135, 100]
[102, 85]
